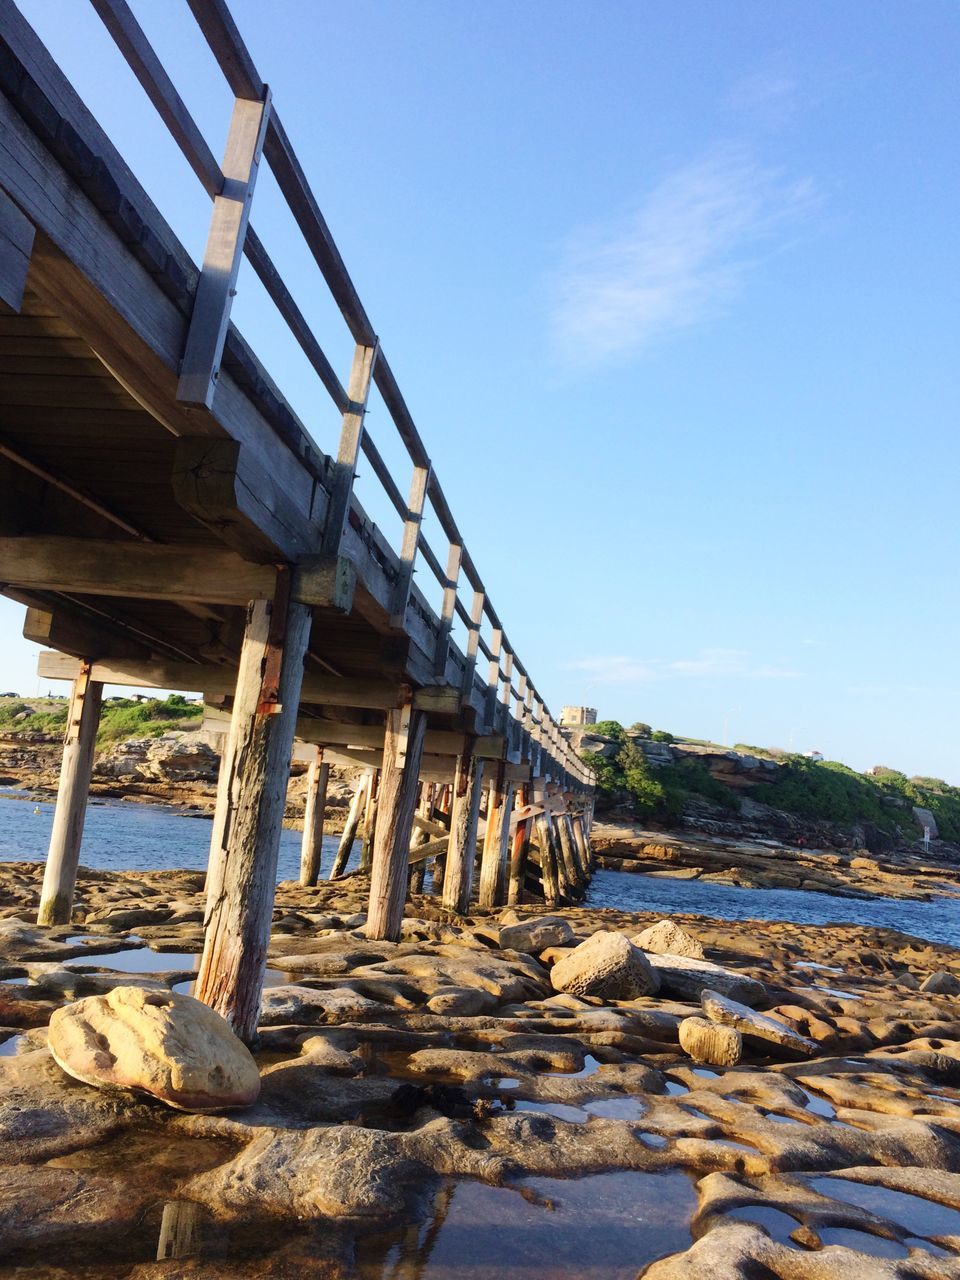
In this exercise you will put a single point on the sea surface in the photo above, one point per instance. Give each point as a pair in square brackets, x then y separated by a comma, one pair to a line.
[127, 835]
[124, 835]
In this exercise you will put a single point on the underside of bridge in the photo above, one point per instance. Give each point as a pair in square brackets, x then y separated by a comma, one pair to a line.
[168, 521]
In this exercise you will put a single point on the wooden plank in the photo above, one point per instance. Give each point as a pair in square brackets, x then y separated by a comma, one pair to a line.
[251, 795]
[348, 451]
[63, 855]
[398, 798]
[16, 246]
[200, 370]
[77, 636]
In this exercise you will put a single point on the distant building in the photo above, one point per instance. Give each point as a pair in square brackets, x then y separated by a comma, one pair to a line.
[578, 715]
[813, 755]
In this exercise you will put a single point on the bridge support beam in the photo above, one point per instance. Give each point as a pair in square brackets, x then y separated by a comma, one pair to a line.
[568, 859]
[402, 753]
[242, 875]
[548, 860]
[464, 820]
[313, 815]
[496, 841]
[63, 856]
[369, 822]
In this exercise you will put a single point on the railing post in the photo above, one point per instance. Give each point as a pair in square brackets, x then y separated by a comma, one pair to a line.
[348, 451]
[200, 368]
[411, 540]
[473, 644]
[454, 560]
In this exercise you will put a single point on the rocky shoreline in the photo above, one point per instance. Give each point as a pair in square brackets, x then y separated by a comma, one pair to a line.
[443, 1089]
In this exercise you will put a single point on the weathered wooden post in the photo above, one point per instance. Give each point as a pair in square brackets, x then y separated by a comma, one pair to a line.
[63, 855]
[402, 753]
[443, 803]
[242, 874]
[369, 822]
[421, 837]
[548, 861]
[518, 853]
[349, 833]
[313, 814]
[496, 841]
[568, 857]
[464, 819]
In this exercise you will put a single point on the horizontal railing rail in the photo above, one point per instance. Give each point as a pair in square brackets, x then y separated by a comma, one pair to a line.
[507, 691]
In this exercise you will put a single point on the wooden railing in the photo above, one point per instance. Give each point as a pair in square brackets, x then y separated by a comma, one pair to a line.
[508, 695]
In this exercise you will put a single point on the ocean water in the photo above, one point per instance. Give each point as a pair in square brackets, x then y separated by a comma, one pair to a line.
[934, 921]
[121, 835]
[125, 835]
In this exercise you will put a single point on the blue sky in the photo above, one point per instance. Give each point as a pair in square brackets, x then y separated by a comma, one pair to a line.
[671, 290]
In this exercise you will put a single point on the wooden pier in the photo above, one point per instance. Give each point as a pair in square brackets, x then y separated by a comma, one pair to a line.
[169, 521]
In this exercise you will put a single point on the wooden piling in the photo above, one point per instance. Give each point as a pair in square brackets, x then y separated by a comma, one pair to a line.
[63, 854]
[462, 849]
[349, 833]
[402, 753]
[548, 860]
[568, 858]
[369, 823]
[519, 849]
[242, 874]
[496, 841]
[313, 815]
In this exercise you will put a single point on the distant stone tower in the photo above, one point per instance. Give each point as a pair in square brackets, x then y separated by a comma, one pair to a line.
[571, 716]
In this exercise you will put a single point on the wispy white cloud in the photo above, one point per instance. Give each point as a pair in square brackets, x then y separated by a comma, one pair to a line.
[713, 664]
[677, 258]
[769, 89]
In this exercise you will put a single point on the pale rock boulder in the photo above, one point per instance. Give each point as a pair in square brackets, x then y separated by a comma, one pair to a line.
[667, 938]
[729, 1013]
[534, 936]
[170, 1046]
[687, 979]
[607, 965]
[941, 983]
[711, 1043]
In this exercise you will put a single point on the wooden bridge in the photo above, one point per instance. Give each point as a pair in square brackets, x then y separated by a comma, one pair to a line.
[168, 520]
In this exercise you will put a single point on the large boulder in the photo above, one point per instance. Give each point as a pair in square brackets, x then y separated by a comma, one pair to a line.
[687, 978]
[709, 1042]
[941, 983]
[534, 936]
[170, 1046]
[748, 1022]
[607, 965]
[667, 938]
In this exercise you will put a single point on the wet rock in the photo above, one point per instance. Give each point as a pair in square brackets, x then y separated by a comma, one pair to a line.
[941, 983]
[709, 1042]
[310, 1007]
[748, 1022]
[534, 936]
[687, 978]
[167, 1045]
[606, 965]
[667, 938]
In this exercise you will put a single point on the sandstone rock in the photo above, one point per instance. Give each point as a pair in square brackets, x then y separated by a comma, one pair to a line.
[730, 1013]
[667, 938]
[307, 1006]
[606, 965]
[462, 1002]
[168, 1045]
[941, 983]
[534, 936]
[706, 1041]
[687, 978]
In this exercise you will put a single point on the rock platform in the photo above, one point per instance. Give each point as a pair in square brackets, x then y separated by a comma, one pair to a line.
[400, 1081]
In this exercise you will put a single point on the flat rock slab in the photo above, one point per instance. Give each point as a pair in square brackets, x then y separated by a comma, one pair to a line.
[170, 1046]
[309, 1007]
[687, 978]
[748, 1022]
